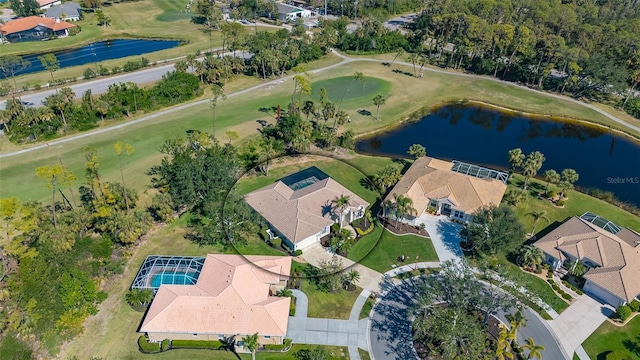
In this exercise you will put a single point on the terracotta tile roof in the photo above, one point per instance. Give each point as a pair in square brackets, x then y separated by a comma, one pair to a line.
[617, 259]
[45, 2]
[30, 22]
[301, 213]
[230, 297]
[430, 178]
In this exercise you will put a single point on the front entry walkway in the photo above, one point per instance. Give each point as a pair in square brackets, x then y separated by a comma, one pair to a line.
[579, 321]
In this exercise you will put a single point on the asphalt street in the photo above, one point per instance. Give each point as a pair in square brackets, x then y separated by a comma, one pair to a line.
[390, 329]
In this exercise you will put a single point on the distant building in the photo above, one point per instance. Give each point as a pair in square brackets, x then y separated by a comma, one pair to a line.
[291, 13]
[68, 11]
[610, 253]
[45, 4]
[34, 28]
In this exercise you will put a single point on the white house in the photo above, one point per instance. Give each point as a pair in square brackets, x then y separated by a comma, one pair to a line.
[298, 207]
[291, 13]
[68, 11]
[449, 188]
[610, 253]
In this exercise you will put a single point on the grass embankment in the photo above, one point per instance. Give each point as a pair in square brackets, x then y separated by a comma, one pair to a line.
[609, 338]
[155, 19]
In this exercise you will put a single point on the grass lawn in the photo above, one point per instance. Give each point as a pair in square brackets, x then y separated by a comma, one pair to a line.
[380, 249]
[366, 308]
[364, 355]
[327, 305]
[608, 337]
[577, 204]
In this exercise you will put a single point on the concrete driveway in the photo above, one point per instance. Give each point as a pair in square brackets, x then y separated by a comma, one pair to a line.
[444, 236]
[579, 321]
[318, 331]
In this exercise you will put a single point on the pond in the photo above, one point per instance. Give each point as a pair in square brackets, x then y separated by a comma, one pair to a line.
[100, 51]
[483, 136]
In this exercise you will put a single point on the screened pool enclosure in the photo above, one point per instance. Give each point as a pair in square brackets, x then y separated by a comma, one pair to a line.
[171, 270]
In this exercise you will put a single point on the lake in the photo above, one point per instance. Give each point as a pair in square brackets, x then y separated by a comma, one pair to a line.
[100, 51]
[483, 136]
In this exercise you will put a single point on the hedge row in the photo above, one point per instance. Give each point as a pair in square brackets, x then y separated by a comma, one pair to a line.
[570, 286]
[196, 344]
[279, 347]
[147, 347]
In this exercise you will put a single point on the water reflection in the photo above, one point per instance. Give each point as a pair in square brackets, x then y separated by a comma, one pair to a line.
[484, 136]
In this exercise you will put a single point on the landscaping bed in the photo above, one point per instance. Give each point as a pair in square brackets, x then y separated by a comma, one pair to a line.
[400, 228]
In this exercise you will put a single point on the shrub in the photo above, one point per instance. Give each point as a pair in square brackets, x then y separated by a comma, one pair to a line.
[634, 305]
[549, 274]
[560, 202]
[147, 347]
[623, 312]
[364, 232]
[616, 355]
[298, 252]
[538, 270]
[89, 74]
[165, 345]
[279, 347]
[566, 296]
[196, 344]
[551, 194]
[579, 292]
[551, 282]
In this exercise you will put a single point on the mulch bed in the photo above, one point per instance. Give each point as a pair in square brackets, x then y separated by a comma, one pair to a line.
[402, 228]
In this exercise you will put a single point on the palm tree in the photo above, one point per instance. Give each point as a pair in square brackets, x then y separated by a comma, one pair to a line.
[515, 196]
[569, 176]
[550, 176]
[534, 349]
[516, 158]
[577, 268]
[530, 256]
[404, 207]
[269, 148]
[367, 217]
[516, 321]
[378, 101]
[341, 203]
[216, 93]
[503, 350]
[537, 215]
[251, 344]
[531, 166]
[388, 206]
[128, 150]
[286, 292]
[417, 150]
[350, 277]
[309, 108]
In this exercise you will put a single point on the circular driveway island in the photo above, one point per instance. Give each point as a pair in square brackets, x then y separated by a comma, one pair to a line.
[390, 326]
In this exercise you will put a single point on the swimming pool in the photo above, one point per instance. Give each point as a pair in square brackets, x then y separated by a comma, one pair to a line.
[174, 278]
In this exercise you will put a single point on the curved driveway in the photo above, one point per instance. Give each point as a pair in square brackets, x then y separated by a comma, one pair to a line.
[390, 327]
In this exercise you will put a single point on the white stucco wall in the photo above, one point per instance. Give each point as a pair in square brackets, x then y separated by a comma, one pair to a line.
[602, 294]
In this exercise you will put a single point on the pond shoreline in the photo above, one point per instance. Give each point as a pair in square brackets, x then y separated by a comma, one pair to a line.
[419, 114]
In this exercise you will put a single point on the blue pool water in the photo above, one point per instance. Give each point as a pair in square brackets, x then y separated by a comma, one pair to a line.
[178, 278]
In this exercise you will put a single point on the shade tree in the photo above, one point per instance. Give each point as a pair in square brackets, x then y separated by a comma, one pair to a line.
[492, 230]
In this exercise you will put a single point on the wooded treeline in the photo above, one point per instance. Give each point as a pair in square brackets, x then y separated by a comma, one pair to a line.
[587, 49]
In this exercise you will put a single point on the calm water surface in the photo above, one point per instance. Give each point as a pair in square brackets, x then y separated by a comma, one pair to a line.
[484, 136]
[100, 51]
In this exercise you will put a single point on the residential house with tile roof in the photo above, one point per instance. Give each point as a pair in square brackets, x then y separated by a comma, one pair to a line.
[449, 187]
[34, 28]
[298, 207]
[68, 11]
[45, 4]
[611, 256]
[234, 296]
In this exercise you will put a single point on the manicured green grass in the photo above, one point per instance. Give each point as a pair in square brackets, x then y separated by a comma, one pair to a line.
[364, 355]
[366, 308]
[608, 337]
[326, 305]
[380, 252]
[349, 92]
[577, 204]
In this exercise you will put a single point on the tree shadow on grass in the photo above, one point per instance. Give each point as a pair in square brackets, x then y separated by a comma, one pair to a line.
[398, 71]
[364, 112]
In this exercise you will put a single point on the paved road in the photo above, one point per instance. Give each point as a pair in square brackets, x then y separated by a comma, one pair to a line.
[101, 85]
[390, 329]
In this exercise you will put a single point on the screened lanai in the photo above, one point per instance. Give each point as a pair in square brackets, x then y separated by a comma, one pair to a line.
[479, 171]
[601, 222]
[173, 270]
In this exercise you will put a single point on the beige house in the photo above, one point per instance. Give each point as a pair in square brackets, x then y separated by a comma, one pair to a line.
[233, 295]
[450, 188]
[611, 256]
[299, 209]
